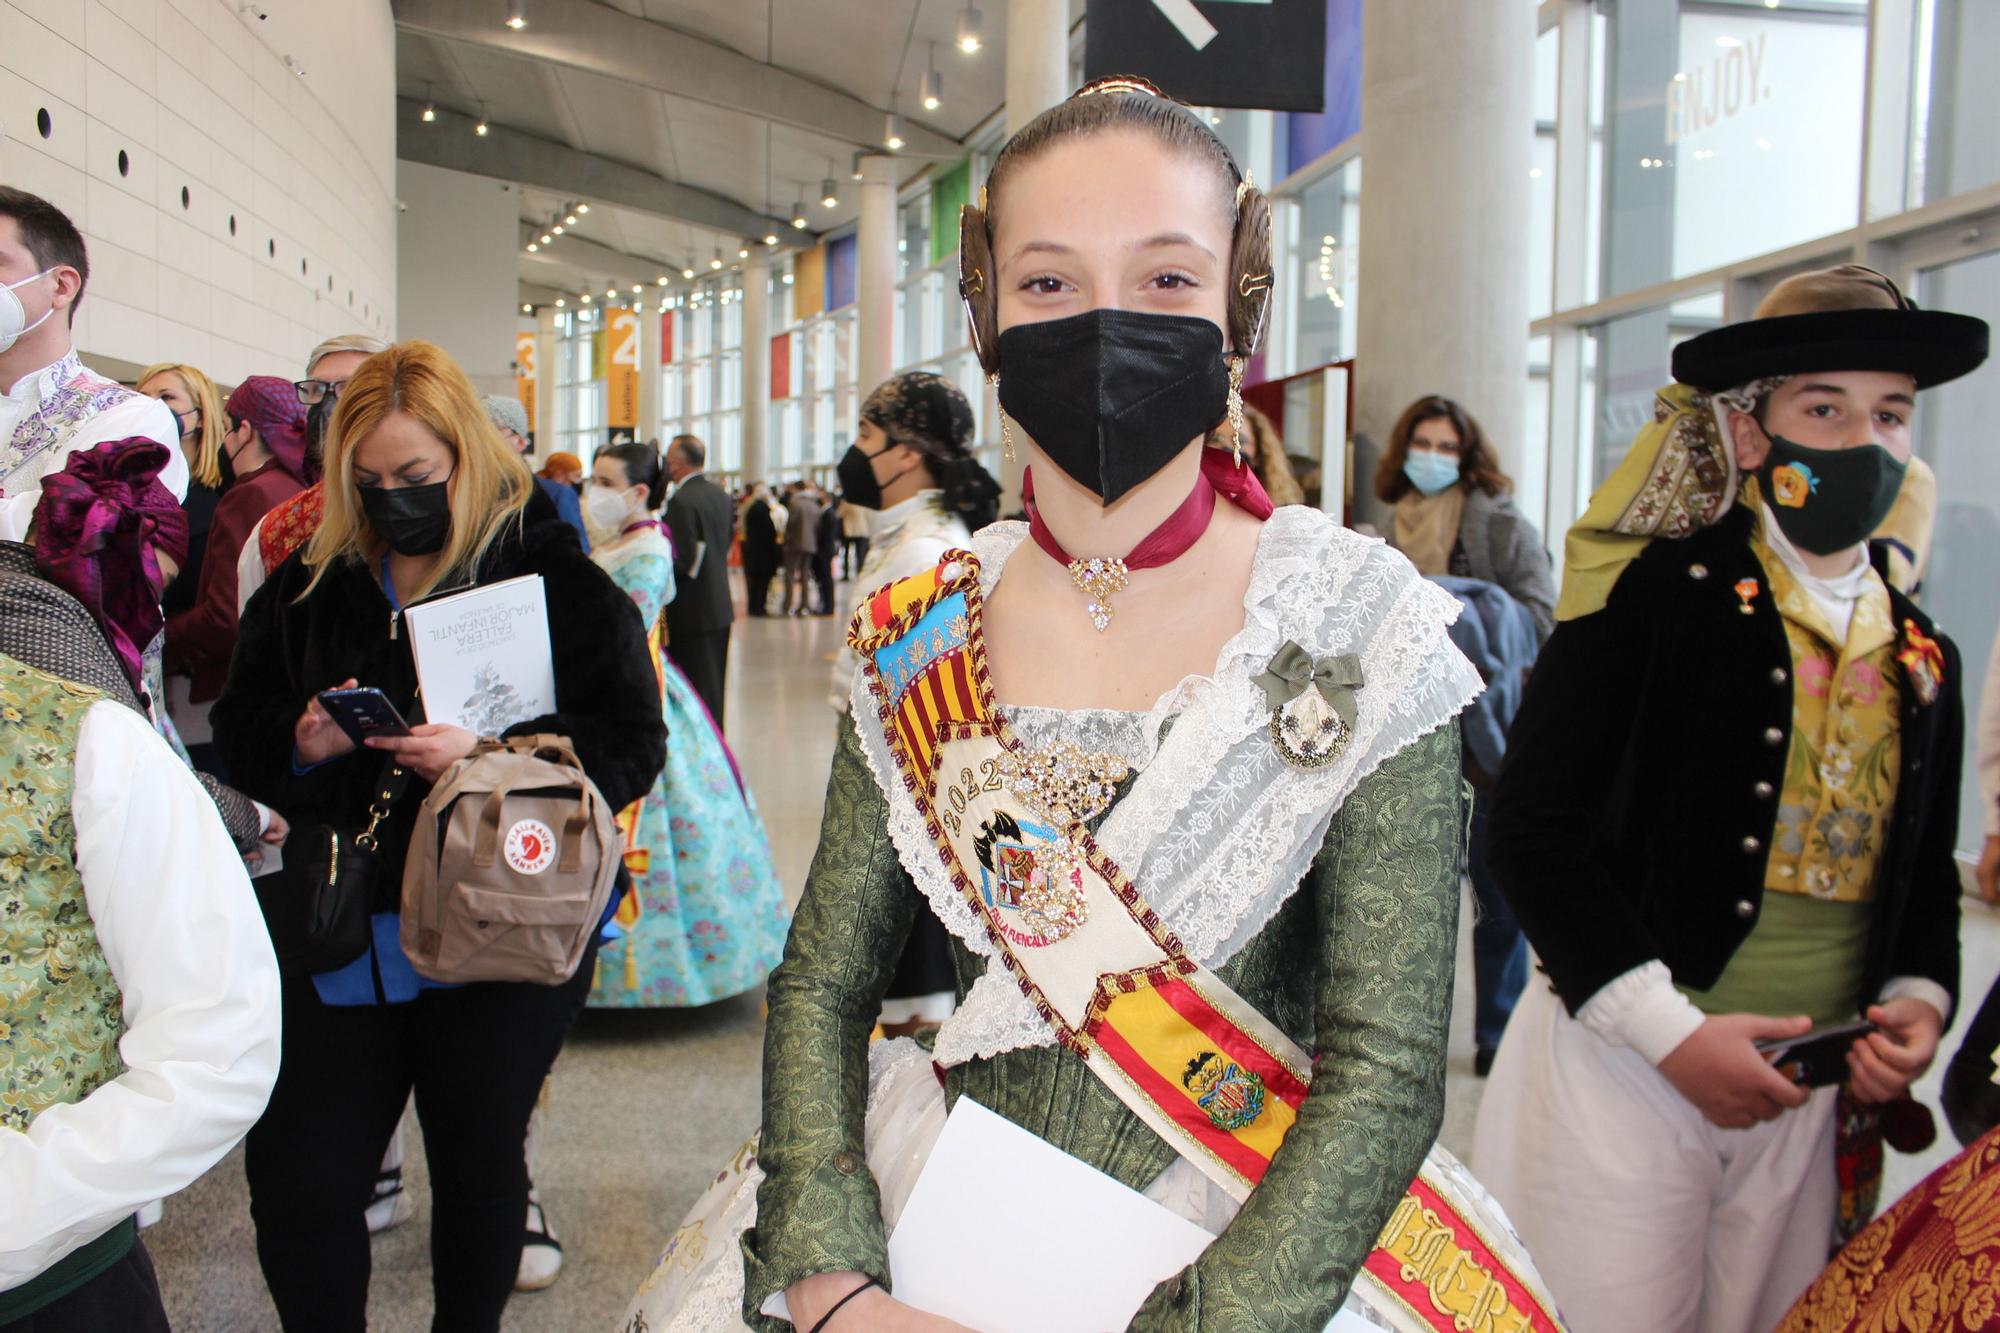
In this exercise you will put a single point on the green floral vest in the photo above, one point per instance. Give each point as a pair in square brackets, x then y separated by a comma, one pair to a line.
[61, 1013]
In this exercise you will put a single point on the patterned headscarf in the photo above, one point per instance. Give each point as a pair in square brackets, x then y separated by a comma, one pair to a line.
[101, 526]
[923, 409]
[272, 406]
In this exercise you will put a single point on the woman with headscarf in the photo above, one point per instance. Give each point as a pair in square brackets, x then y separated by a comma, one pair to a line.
[266, 450]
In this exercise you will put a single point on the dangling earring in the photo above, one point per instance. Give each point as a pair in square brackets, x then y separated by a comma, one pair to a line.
[1006, 422]
[1236, 408]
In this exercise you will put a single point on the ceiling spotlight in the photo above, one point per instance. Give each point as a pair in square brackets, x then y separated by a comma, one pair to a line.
[548, 239]
[770, 238]
[660, 281]
[482, 127]
[534, 246]
[430, 113]
[557, 229]
[743, 253]
[892, 133]
[828, 195]
[969, 40]
[799, 214]
[583, 208]
[933, 82]
[517, 14]
[561, 304]
[585, 298]
[716, 262]
[570, 221]
[636, 289]
[527, 309]
[687, 273]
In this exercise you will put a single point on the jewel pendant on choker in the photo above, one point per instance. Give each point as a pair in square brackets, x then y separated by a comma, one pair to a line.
[1097, 578]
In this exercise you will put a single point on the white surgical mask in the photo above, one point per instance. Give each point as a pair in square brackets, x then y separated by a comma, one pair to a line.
[14, 319]
[606, 509]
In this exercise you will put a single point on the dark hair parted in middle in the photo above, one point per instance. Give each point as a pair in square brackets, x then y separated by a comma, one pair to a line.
[642, 468]
[1478, 465]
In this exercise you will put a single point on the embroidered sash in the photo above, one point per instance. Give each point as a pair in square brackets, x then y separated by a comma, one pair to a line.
[1186, 1054]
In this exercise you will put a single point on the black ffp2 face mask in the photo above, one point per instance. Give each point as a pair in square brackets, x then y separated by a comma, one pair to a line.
[1112, 396]
[413, 520]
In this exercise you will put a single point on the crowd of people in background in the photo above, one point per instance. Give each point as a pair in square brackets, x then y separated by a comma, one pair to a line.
[1715, 782]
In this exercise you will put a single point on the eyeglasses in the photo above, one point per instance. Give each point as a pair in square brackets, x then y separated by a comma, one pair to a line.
[316, 391]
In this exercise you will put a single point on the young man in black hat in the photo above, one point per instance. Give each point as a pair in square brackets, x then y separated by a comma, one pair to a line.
[1727, 817]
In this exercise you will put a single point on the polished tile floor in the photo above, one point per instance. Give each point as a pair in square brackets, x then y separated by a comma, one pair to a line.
[647, 1105]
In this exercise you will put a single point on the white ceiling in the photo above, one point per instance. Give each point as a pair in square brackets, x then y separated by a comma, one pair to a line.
[874, 50]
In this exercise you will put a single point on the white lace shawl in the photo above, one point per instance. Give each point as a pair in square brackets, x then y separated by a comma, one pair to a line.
[1217, 830]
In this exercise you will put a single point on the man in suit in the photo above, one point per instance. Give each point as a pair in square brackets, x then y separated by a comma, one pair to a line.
[701, 518]
[801, 545]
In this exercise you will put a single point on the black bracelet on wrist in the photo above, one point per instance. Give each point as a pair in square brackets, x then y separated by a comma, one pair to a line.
[827, 1318]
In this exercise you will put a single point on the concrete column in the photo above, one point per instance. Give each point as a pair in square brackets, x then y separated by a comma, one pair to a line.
[545, 386]
[1037, 58]
[1037, 79]
[875, 277]
[649, 372]
[1447, 105]
[756, 363]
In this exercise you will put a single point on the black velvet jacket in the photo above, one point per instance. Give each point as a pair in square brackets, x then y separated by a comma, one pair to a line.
[1633, 814]
[607, 696]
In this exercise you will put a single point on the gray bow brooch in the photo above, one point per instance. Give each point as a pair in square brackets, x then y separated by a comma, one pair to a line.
[1312, 704]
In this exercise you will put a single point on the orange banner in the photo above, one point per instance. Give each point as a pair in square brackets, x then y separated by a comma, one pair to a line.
[621, 371]
[526, 371]
[809, 282]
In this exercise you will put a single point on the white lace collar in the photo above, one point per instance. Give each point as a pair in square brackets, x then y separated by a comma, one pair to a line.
[1217, 829]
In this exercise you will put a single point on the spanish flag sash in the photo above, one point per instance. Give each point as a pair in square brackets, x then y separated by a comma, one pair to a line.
[1192, 1059]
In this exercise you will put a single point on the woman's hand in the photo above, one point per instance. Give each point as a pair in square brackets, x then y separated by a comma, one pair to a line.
[875, 1309]
[316, 737]
[276, 830]
[429, 749]
[1882, 1065]
[1989, 871]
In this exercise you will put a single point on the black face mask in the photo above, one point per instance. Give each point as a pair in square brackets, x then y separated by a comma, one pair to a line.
[1112, 396]
[1830, 500]
[857, 478]
[414, 520]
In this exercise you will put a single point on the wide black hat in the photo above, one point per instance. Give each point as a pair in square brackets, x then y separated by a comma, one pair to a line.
[1932, 346]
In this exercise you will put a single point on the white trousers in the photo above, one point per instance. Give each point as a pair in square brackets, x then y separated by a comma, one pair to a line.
[1639, 1212]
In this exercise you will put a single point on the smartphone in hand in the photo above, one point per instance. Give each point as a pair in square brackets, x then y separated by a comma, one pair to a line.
[1819, 1058]
[363, 713]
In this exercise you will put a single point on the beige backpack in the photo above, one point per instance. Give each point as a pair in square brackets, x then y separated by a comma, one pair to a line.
[510, 867]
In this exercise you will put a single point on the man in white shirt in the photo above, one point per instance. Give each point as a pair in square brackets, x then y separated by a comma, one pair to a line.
[139, 1001]
[51, 405]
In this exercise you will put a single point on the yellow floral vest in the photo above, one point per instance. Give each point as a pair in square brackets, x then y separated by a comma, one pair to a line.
[1846, 751]
[61, 1012]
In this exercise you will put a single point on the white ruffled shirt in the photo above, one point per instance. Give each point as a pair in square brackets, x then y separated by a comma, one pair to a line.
[178, 925]
[905, 539]
[1217, 830]
[37, 402]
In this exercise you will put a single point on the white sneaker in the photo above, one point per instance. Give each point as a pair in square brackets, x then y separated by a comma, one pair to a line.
[541, 1252]
[391, 1206]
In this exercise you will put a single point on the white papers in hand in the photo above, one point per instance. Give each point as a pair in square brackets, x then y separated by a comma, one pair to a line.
[1007, 1233]
[482, 655]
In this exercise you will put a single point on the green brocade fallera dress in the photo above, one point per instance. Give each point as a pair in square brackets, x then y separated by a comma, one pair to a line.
[1353, 959]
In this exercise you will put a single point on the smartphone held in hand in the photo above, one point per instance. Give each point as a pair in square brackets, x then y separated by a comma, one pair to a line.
[1819, 1058]
[363, 713]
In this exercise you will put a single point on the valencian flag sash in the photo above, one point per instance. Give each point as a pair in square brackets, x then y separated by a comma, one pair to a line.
[1194, 1060]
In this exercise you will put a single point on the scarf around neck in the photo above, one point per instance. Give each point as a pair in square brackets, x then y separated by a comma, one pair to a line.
[1427, 528]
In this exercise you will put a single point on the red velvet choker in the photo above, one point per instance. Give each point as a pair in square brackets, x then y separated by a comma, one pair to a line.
[1097, 577]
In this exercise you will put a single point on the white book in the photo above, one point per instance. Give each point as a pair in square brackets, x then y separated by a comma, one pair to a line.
[482, 655]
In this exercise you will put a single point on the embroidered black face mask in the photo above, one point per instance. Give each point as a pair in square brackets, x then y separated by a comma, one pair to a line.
[1829, 500]
[1111, 396]
[414, 520]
